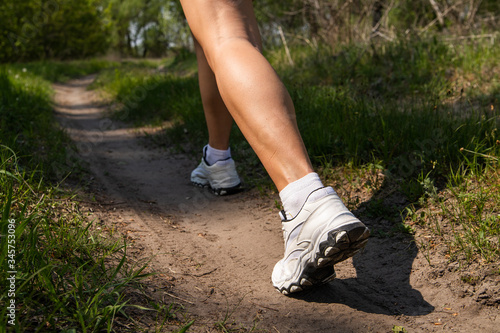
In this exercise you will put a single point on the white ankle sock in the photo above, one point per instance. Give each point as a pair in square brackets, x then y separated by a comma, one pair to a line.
[295, 194]
[213, 155]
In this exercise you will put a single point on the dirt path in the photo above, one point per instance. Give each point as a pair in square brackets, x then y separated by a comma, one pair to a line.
[217, 253]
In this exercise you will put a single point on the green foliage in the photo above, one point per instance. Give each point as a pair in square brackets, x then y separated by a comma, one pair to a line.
[474, 214]
[27, 121]
[398, 99]
[146, 28]
[404, 67]
[68, 277]
[60, 71]
[33, 30]
[407, 137]
[399, 329]
[340, 22]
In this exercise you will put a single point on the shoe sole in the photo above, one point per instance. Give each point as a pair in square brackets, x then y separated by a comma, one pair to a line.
[220, 191]
[341, 243]
[311, 276]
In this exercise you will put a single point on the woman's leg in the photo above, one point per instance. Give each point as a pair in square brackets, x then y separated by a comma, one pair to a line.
[219, 120]
[250, 88]
[321, 231]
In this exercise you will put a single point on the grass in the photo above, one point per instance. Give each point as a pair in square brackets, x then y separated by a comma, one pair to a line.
[412, 108]
[58, 71]
[466, 214]
[27, 118]
[70, 276]
[67, 276]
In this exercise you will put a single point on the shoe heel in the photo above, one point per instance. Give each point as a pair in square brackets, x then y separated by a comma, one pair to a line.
[342, 243]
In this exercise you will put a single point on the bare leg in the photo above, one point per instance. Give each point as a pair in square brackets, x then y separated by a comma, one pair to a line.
[321, 232]
[219, 120]
[250, 88]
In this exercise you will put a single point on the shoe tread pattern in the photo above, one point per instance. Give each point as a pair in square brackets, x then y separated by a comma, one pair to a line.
[220, 191]
[341, 244]
[311, 276]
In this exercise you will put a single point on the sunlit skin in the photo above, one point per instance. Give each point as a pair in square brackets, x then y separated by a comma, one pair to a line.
[237, 82]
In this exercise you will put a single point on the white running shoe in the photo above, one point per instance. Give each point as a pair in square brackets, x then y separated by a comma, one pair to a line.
[323, 233]
[221, 177]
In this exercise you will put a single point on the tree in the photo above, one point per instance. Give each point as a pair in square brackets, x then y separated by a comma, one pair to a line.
[146, 27]
[41, 29]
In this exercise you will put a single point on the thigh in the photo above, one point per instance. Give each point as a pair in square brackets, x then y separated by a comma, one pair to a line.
[214, 22]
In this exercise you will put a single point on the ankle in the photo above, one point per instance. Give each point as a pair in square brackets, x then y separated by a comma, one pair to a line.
[295, 194]
[212, 155]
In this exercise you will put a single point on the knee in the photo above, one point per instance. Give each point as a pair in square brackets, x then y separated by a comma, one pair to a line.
[223, 51]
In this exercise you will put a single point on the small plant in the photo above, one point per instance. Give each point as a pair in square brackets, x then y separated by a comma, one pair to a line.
[428, 188]
[404, 228]
[413, 216]
[224, 325]
[425, 248]
[399, 329]
[470, 279]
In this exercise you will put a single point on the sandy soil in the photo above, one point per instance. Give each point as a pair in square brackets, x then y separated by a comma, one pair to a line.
[216, 254]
